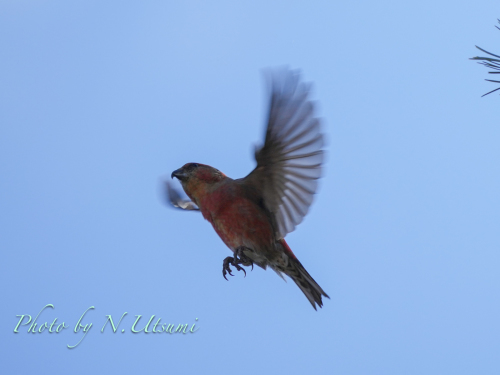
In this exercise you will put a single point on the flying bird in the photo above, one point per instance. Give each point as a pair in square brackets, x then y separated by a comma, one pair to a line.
[252, 215]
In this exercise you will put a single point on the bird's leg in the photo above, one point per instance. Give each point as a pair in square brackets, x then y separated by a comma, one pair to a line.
[241, 258]
[227, 269]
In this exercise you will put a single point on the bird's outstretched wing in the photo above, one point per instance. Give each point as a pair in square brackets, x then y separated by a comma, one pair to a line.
[289, 162]
[174, 198]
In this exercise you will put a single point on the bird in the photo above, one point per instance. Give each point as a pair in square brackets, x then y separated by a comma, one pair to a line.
[253, 214]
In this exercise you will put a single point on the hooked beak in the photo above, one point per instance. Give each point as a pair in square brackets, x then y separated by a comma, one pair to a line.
[180, 174]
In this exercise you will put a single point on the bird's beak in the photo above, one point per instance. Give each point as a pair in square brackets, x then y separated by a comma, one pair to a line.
[180, 174]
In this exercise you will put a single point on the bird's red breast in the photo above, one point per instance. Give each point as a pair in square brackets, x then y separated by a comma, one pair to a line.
[235, 216]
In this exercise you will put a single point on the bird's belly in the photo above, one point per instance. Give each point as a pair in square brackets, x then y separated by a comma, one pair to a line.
[239, 225]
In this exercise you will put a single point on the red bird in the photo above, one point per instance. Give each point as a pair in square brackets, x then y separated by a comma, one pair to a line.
[253, 214]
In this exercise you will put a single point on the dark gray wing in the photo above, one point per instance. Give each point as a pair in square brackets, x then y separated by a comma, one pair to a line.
[174, 198]
[289, 162]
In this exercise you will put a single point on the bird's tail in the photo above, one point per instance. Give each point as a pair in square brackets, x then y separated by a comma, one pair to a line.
[296, 271]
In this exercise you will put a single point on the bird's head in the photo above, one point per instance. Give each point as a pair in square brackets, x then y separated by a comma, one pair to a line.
[196, 177]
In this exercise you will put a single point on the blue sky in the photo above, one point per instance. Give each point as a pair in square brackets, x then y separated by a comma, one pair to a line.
[100, 102]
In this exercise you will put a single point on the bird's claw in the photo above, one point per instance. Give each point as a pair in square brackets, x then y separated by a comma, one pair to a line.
[241, 258]
[227, 269]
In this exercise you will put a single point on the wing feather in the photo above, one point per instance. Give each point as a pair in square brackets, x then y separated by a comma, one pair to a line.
[290, 161]
[174, 198]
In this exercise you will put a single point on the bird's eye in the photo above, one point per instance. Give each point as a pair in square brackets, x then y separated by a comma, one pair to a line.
[194, 165]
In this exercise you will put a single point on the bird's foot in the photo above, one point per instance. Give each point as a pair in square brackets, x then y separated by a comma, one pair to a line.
[241, 258]
[227, 269]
